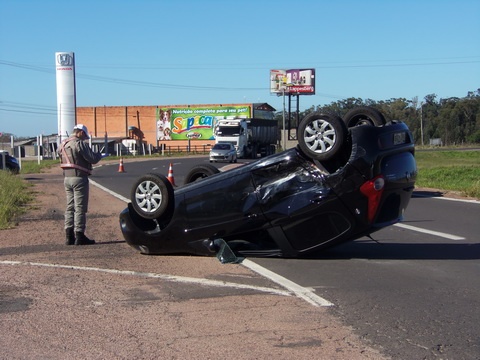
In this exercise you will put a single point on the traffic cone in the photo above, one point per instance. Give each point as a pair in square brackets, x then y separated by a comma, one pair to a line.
[120, 167]
[170, 175]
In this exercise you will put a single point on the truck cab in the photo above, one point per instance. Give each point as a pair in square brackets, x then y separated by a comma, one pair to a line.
[250, 136]
[233, 131]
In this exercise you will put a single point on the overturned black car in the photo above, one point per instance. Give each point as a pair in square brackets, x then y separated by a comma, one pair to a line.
[345, 179]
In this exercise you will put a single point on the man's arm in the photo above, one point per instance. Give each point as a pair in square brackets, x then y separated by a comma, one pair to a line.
[88, 154]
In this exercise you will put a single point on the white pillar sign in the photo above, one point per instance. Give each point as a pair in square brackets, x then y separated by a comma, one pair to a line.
[66, 98]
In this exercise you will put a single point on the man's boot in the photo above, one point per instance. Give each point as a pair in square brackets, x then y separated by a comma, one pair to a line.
[81, 239]
[69, 236]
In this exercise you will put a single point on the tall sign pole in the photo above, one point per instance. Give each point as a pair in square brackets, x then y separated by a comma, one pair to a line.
[66, 97]
[292, 82]
[284, 133]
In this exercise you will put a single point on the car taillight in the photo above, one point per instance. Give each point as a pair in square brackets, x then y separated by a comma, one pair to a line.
[373, 190]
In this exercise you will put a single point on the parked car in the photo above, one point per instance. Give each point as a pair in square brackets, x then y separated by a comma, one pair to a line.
[337, 185]
[11, 163]
[223, 152]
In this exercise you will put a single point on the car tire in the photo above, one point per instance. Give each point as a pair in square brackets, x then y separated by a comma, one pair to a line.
[364, 115]
[321, 136]
[152, 195]
[199, 172]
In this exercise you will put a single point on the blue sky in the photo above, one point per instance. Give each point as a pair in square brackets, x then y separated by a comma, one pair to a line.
[164, 52]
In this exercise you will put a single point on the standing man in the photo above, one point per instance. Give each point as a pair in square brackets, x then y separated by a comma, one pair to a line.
[76, 161]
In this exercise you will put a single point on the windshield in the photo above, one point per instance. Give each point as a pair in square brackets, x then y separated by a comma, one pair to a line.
[229, 130]
[221, 147]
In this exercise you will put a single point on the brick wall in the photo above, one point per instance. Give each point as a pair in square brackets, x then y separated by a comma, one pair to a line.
[118, 120]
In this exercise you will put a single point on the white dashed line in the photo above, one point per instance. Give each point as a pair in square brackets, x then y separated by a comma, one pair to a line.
[118, 196]
[430, 232]
[468, 201]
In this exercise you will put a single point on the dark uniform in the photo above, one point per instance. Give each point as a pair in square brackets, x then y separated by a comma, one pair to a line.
[76, 161]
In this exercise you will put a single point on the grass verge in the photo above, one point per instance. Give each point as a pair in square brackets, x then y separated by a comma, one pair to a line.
[450, 170]
[14, 198]
[16, 194]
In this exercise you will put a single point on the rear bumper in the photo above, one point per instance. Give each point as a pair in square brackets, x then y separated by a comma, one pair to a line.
[400, 172]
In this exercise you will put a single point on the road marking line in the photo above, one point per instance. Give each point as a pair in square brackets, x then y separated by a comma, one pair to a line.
[431, 232]
[118, 196]
[292, 288]
[300, 291]
[180, 279]
[469, 201]
[460, 200]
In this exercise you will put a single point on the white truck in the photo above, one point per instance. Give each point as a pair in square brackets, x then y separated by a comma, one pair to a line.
[251, 137]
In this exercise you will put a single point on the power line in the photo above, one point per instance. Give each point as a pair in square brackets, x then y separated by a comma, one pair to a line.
[266, 66]
[16, 107]
[28, 112]
[127, 81]
[51, 70]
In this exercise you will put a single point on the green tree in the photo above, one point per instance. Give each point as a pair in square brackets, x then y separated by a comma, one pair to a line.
[453, 120]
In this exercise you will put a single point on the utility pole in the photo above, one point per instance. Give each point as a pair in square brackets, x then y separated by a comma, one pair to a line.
[421, 121]
[105, 150]
[284, 137]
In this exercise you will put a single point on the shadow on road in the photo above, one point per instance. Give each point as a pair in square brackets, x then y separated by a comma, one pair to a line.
[367, 249]
[427, 194]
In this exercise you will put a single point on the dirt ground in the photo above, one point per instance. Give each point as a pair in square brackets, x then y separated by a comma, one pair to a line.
[106, 301]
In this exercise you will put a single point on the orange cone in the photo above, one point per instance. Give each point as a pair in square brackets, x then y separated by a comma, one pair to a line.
[120, 167]
[170, 175]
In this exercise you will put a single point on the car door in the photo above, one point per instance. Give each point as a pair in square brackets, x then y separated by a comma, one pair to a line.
[223, 205]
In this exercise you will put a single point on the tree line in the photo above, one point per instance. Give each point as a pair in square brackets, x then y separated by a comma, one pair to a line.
[451, 121]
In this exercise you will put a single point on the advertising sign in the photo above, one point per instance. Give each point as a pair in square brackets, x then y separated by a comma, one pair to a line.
[195, 123]
[293, 81]
[66, 102]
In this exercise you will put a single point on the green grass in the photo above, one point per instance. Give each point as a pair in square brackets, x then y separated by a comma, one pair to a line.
[15, 195]
[450, 170]
[33, 167]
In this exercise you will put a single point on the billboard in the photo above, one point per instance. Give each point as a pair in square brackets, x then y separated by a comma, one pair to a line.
[195, 122]
[293, 81]
[66, 99]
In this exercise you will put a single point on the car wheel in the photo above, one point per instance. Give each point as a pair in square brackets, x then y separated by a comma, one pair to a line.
[364, 115]
[321, 135]
[199, 172]
[151, 195]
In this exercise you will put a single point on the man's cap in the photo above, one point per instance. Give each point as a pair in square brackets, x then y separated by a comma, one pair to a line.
[83, 128]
